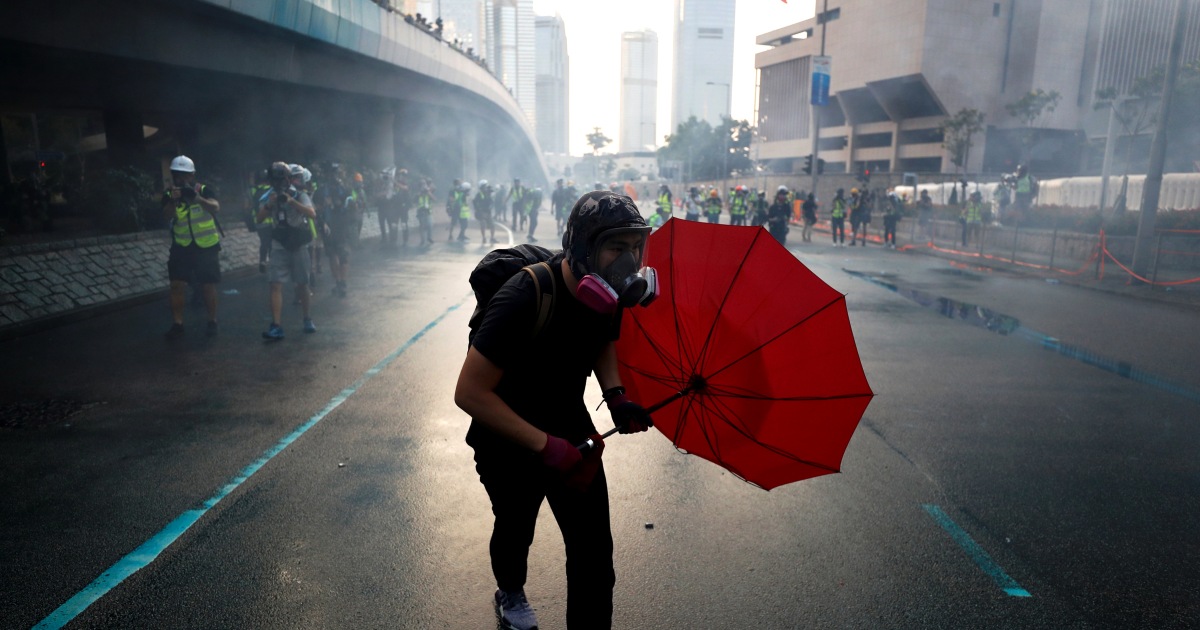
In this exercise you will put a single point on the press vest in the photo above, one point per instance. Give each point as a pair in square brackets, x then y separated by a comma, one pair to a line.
[713, 206]
[737, 207]
[839, 208]
[464, 208]
[256, 193]
[664, 202]
[193, 224]
[973, 213]
[1024, 184]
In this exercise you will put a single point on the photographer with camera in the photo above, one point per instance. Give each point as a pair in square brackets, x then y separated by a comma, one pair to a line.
[292, 210]
[192, 211]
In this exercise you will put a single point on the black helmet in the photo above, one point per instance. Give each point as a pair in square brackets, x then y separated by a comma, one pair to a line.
[594, 214]
[280, 170]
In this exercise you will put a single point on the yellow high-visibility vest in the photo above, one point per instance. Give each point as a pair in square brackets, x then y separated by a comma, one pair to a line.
[194, 224]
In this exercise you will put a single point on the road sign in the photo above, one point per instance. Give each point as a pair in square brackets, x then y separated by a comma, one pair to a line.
[820, 79]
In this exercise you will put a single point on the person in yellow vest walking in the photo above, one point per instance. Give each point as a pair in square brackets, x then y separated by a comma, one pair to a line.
[665, 203]
[972, 218]
[737, 206]
[837, 218]
[192, 209]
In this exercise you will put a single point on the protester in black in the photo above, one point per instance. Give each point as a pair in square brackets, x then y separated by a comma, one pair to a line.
[524, 392]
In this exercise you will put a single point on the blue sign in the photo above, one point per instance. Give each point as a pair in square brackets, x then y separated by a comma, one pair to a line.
[820, 80]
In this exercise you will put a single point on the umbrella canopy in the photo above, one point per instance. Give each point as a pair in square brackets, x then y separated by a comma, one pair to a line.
[748, 354]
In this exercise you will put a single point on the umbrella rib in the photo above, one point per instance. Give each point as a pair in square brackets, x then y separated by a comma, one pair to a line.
[728, 290]
[768, 342]
[740, 428]
[718, 392]
[662, 355]
[666, 379]
[680, 345]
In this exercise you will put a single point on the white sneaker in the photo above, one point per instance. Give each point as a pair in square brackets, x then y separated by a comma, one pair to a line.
[514, 611]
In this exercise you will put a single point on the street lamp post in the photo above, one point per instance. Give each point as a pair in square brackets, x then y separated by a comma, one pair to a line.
[725, 154]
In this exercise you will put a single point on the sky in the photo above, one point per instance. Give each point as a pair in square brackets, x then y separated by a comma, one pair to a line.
[594, 30]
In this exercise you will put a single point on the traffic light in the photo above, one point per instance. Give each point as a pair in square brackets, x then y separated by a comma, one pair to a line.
[863, 174]
[808, 164]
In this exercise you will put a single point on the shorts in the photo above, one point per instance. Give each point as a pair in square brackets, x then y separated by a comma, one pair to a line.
[337, 243]
[289, 266]
[199, 265]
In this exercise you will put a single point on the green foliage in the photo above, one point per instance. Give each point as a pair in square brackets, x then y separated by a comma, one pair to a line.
[1030, 107]
[709, 153]
[597, 140]
[120, 198]
[957, 132]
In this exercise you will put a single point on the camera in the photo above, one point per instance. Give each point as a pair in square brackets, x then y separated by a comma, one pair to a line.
[187, 192]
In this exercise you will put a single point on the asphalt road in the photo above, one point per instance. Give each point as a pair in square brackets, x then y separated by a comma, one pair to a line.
[986, 462]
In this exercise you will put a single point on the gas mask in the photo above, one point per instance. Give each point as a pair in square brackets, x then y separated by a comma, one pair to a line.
[623, 282]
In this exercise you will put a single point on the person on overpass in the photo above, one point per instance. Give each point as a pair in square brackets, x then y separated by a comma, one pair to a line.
[524, 393]
[192, 209]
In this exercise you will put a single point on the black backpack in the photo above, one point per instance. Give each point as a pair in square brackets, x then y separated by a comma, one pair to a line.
[501, 264]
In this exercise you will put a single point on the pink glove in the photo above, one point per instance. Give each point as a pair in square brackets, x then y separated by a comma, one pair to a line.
[560, 454]
[581, 477]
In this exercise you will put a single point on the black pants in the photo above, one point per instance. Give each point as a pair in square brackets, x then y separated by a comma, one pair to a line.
[837, 226]
[517, 486]
[889, 229]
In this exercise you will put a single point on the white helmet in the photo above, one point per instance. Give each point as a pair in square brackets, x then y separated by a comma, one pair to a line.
[183, 164]
[465, 186]
[781, 189]
[482, 183]
[295, 170]
[306, 176]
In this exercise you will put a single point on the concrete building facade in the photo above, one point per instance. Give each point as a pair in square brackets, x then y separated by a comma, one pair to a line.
[900, 68]
[553, 81]
[703, 66]
[639, 91]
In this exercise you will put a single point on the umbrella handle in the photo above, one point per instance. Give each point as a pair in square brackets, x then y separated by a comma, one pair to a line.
[588, 444]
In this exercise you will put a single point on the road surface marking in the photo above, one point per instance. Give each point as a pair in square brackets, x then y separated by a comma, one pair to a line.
[149, 550]
[976, 553]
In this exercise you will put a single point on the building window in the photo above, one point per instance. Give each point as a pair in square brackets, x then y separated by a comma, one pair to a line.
[712, 33]
[829, 16]
[995, 9]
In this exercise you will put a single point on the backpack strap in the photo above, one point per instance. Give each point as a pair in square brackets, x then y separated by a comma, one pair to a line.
[545, 284]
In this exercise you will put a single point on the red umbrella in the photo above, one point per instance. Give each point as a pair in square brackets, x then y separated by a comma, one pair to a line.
[749, 352]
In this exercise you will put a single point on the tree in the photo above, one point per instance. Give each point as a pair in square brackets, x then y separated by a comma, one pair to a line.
[708, 153]
[1028, 109]
[957, 133]
[597, 140]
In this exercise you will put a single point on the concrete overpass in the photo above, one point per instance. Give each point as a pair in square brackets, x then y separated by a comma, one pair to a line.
[239, 83]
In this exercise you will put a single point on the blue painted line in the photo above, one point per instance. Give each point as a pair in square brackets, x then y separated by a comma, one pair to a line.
[1010, 326]
[148, 551]
[976, 553]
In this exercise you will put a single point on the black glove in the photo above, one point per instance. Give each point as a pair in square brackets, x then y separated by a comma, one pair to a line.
[628, 416]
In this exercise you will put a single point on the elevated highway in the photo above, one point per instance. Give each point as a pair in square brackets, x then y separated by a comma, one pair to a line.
[238, 83]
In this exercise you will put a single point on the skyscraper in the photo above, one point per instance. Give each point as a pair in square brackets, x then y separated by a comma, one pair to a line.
[639, 90]
[510, 48]
[703, 60]
[552, 83]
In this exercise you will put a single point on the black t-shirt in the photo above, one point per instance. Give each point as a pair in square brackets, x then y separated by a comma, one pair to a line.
[544, 377]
